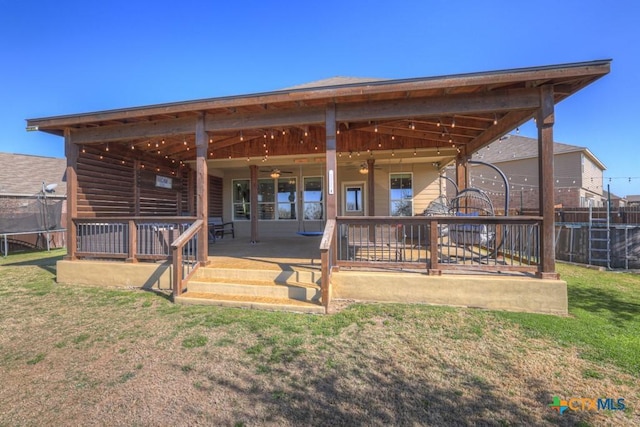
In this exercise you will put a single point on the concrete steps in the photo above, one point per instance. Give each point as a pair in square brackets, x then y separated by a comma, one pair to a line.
[290, 290]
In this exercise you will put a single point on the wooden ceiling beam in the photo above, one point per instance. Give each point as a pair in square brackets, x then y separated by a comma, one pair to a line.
[510, 121]
[131, 131]
[271, 118]
[446, 105]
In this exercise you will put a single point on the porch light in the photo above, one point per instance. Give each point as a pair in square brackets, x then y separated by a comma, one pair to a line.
[275, 173]
[364, 169]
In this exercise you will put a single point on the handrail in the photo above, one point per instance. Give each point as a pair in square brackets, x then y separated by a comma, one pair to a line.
[188, 234]
[450, 219]
[109, 219]
[328, 259]
[443, 242]
[177, 248]
[123, 237]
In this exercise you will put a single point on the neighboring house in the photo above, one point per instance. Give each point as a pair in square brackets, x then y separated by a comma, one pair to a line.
[633, 200]
[32, 194]
[578, 174]
[616, 201]
[354, 161]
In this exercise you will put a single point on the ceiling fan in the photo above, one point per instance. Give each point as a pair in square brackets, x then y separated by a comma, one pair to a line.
[275, 172]
[363, 167]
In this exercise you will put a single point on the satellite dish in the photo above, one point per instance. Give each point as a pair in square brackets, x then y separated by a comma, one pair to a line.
[51, 188]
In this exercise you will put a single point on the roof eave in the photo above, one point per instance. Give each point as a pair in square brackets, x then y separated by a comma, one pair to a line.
[595, 69]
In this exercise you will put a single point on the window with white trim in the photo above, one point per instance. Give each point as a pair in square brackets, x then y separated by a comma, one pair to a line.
[313, 208]
[241, 199]
[401, 194]
[272, 204]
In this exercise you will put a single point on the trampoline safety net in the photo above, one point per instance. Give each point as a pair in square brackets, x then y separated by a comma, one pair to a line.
[29, 214]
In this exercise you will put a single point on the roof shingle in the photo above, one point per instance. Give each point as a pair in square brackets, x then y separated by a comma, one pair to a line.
[23, 174]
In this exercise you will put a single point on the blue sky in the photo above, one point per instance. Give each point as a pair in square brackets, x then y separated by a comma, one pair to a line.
[64, 57]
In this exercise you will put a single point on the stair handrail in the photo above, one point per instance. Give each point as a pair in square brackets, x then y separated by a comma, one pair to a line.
[328, 258]
[180, 274]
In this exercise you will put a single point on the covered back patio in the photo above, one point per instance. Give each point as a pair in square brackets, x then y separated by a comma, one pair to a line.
[354, 162]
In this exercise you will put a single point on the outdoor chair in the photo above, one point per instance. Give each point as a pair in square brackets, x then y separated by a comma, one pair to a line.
[218, 228]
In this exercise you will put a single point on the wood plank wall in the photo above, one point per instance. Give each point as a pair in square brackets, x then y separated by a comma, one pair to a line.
[215, 197]
[105, 184]
[108, 182]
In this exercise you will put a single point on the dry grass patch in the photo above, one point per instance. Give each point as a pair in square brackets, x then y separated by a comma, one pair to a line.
[74, 355]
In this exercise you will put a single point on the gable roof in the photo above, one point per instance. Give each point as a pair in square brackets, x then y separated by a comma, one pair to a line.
[23, 174]
[335, 81]
[411, 112]
[516, 147]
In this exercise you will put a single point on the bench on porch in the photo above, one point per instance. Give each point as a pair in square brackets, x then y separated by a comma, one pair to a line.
[218, 228]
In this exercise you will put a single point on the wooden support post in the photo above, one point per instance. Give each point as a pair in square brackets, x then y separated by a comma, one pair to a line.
[545, 122]
[202, 197]
[133, 242]
[253, 202]
[176, 274]
[462, 172]
[433, 248]
[371, 194]
[331, 164]
[71, 152]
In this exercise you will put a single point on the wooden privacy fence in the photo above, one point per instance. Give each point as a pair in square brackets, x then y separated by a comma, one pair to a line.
[483, 243]
[627, 215]
[572, 244]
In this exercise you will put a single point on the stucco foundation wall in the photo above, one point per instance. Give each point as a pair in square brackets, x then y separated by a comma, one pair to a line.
[104, 273]
[496, 293]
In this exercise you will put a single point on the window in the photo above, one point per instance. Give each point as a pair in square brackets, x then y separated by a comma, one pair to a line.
[401, 194]
[266, 199]
[353, 196]
[241, 199]
[269, 207]
[312, 198]
[287, 198]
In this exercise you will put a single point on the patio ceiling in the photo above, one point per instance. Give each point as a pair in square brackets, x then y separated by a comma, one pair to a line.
[438, 116]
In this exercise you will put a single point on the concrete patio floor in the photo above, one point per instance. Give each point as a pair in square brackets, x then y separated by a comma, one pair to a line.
[284, 253]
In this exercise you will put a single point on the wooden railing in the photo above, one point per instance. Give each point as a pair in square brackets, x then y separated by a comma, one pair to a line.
[184, 253]
[485, 243]
[328, 258]
[130, 238]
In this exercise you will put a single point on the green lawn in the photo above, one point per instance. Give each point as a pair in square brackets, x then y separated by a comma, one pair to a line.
[79, 355]
[604, 317]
